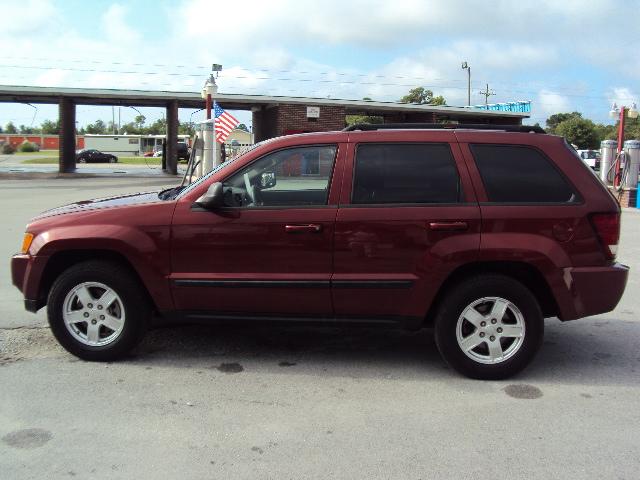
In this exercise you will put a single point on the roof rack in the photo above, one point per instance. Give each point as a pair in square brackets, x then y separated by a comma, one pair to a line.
[444, 126]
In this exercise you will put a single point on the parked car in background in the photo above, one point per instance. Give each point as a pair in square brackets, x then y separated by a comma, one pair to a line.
[91, 155]
[183, 151]
[591, 158]
[480, 234]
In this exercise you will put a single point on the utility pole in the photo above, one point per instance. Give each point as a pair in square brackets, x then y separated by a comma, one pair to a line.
[465, 66]
[487, 93]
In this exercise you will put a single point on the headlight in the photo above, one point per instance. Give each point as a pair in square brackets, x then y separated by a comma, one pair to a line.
[26, 242]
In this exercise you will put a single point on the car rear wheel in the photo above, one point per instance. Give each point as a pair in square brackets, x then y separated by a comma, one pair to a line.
[489, 327]
[98, 311]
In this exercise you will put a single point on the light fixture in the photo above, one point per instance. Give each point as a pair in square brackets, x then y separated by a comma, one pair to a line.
[210, 87]
[615, 111]
[633, 111]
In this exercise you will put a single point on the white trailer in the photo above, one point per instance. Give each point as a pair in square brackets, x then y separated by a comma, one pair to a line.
[127, 145]
[119, 145]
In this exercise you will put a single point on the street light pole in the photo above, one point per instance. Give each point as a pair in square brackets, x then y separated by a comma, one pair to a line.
[465, 66]
[209, 90]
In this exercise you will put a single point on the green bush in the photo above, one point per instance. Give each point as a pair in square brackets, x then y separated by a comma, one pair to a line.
[28, 147]
[7, 149]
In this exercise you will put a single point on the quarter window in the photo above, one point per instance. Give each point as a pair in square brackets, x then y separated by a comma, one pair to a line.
[520, 174]
[292, 177]
[405, 173]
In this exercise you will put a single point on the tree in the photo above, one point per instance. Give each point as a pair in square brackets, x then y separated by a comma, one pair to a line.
[11, 128]
[421, 96]
[158, 127]
[355, 119]
[98, 127]
[0, 128]
[186, 128]
[242, 126]
[139, 120]
[51, 128]
[26, 130]
[554, 120]
[579, 131]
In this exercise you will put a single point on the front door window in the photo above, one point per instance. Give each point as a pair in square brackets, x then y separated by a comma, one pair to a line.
[291, 177]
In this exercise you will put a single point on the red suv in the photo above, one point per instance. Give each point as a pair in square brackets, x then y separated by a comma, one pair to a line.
[478, 232]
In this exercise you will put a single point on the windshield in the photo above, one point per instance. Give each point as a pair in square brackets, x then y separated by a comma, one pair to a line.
[241, 154]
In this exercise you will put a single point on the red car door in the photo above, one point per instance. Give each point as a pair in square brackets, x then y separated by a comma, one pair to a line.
[407, 218]
[269, 251]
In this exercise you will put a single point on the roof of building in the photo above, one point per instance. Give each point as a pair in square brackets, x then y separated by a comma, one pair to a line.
[103, 96]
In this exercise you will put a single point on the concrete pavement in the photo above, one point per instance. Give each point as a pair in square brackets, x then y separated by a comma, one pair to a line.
[280, 402]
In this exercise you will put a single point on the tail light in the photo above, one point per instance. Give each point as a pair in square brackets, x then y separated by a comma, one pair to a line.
[607, 227]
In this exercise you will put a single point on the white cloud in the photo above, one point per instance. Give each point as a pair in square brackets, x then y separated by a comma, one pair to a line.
[525, 49]
[551, 102]
[622, 96]
[116, 27]
[53, 78]
[25, 17]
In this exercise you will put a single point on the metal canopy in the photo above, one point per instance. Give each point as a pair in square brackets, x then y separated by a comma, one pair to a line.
[151, 98]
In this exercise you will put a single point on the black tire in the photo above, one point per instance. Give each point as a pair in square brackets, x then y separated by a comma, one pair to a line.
[464, 295]
[136, 308]
[113, 160]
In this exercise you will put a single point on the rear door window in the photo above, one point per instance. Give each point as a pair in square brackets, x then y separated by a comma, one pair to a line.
[405, 173]
[520, 174]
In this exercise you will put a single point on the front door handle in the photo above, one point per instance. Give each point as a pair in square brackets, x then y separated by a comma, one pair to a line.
[310, 227]
[448, 226]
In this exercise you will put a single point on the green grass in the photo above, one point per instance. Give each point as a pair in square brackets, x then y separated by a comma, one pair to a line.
[121, 161]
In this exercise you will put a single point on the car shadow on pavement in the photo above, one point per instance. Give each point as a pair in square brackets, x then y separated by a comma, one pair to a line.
[345, 351]
[595, 351]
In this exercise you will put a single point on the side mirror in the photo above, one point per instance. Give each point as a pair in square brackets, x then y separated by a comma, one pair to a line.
[267, 180]
[213, 198]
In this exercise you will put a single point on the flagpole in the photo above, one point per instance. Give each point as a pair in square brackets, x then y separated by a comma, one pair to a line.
[214, 147]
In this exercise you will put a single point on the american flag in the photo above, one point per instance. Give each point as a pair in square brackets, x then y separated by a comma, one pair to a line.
[225, 122]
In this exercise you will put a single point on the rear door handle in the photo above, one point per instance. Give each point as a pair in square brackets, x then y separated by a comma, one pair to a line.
[311, 227]
[448, 226]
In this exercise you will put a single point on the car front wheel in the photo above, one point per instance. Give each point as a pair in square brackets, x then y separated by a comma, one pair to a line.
[97, 311]
[489, 327]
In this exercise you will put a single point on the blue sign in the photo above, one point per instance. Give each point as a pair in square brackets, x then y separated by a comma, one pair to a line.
[521, 107]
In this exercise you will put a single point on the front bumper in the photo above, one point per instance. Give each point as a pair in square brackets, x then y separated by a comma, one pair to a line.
[26, 275]
[595, 290]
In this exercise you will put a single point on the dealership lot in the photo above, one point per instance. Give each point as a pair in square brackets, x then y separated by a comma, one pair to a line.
[242, 401]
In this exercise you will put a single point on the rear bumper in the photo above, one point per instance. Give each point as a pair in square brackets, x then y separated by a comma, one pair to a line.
[26, 274]
[593, 290]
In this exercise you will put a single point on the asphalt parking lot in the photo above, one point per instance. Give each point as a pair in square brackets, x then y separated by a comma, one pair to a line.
[241, 401]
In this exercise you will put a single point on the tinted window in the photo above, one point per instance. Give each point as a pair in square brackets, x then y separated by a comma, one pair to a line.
[519, 174]
[405, 173]
[295, 176]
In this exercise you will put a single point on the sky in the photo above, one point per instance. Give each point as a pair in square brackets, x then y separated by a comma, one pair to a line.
[562, 55]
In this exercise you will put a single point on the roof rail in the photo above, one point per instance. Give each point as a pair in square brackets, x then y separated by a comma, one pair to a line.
[444, 126]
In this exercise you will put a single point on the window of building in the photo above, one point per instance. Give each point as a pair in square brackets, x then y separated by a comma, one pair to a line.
[520, 174]
[405, 173]
[291, 177]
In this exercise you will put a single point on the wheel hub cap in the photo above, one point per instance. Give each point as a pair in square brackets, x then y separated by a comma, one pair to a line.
[490, 330]
[93, 314]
